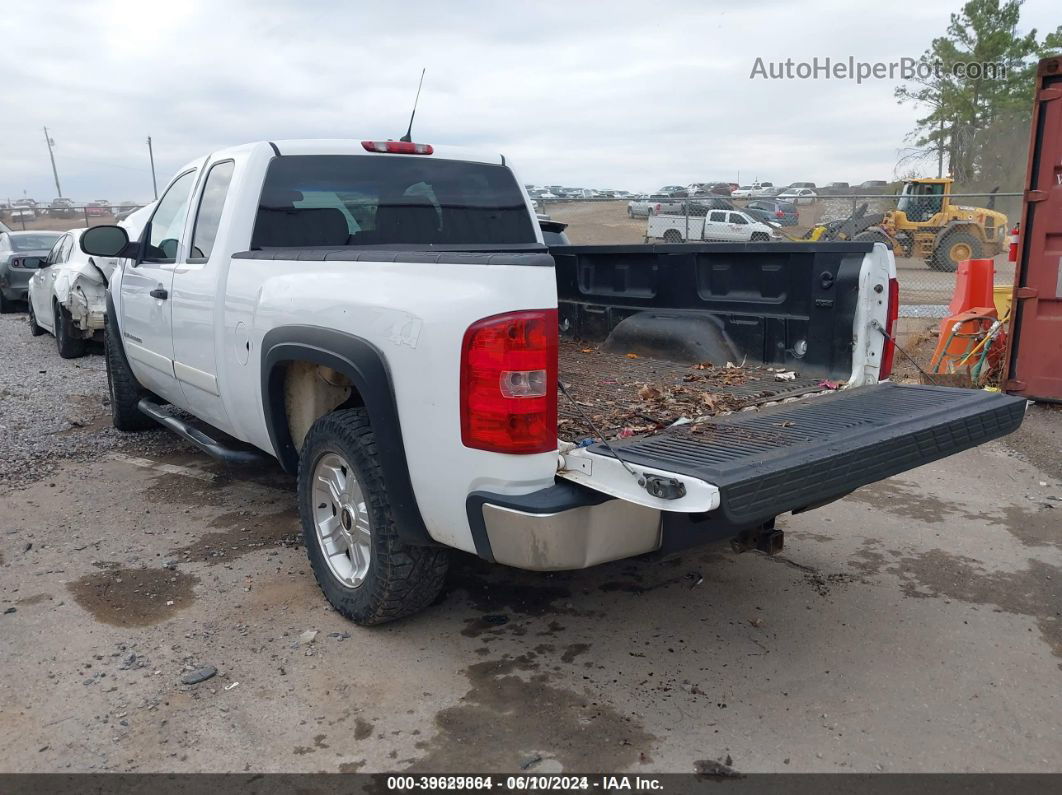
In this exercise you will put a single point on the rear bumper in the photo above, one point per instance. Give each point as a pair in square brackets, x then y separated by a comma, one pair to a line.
[562, 527]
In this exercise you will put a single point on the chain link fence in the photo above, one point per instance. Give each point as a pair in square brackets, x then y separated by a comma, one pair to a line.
[929, 224]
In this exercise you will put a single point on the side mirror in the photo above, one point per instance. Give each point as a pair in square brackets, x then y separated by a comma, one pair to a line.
[105, 241]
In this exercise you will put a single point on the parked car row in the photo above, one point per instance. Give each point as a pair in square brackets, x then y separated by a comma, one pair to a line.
[62, 207]
[558, 192]
[63, 288]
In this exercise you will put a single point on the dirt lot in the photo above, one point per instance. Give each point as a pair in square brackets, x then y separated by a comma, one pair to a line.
[914, 625]
[603, 223]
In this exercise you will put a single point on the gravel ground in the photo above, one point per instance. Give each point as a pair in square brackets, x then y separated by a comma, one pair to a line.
[52, 409]
[913, 626]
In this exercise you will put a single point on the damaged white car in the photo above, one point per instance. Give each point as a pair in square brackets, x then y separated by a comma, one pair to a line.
[68, 295]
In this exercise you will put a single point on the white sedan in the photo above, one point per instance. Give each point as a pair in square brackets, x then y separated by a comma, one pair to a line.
[68, 295]
[798, 196]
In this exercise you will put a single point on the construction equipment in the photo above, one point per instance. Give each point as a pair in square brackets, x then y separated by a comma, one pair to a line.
[926, 225]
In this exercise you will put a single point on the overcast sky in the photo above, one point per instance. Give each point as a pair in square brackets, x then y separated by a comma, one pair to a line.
[610, 95]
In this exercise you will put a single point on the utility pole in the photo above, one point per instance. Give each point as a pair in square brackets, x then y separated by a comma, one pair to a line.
[151, 155]
[55, 173]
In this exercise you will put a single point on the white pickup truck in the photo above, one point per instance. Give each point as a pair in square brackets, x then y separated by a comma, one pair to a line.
[717, 225]
[384, 319]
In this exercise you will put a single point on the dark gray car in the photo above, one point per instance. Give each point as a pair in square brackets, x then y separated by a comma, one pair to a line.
[19, 255]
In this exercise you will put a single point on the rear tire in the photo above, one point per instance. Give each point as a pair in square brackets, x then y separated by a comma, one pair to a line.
[35, 329]
[672, 236]
[367, 573]
[70, 346]
[125, 392]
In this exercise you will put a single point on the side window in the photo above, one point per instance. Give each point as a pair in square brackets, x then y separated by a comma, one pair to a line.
[67, 247]
[56, 252]
[717, 217]
[738, 218]
[210, 205]
[168, 221]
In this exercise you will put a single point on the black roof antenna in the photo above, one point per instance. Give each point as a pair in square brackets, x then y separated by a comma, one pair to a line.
[409, 131]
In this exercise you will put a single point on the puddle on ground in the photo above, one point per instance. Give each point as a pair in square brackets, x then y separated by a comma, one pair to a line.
[1033, 528]
[900, 500]
[530, 722]
[172, 489]
[133, 597]
[244, 532]
[1035, 592]
[508, 590]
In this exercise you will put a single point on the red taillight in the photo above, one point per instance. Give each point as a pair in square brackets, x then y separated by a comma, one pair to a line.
[397, 147]
[509, 383]
[888, 352]
[779, 214]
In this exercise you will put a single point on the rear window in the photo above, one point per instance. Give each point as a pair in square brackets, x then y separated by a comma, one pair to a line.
[33, 242]
[356, 200]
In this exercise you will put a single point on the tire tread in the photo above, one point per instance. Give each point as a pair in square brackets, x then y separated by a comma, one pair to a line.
[403, 579]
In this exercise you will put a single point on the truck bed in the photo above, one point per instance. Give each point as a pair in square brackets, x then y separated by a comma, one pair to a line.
[628, 394]
[649, 331]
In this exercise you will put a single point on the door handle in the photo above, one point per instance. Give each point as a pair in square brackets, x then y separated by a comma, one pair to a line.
[160, 293]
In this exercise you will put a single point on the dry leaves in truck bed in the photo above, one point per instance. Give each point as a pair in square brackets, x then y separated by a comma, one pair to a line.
[626, 394]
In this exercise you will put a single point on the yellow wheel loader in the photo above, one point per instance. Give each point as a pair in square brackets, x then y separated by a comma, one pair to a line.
[926, 225]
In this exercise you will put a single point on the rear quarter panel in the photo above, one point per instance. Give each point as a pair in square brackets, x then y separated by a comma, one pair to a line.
[415, 315]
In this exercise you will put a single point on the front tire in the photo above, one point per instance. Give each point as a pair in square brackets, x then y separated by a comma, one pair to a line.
[35, 329]
[124, 391]
[5, 304]
[953, 249]
[70, 345]
[760, 237]
[365, 571]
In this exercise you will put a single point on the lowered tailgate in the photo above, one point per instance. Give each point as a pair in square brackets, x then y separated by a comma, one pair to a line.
[801, 454]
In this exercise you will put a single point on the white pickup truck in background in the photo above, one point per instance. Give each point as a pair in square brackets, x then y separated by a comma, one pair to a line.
[384, 319]
[711, 225]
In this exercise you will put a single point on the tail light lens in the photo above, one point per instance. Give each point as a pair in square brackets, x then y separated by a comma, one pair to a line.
[509, 383]
[779, 214]
[888, 352]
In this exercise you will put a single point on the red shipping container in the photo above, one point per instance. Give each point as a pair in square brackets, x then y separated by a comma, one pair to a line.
[1034, 361]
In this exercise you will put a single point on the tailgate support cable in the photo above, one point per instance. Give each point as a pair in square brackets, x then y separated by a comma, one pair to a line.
[910, 358]
[598, 433]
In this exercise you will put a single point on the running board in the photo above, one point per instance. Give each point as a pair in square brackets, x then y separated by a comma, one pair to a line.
[188, 432]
